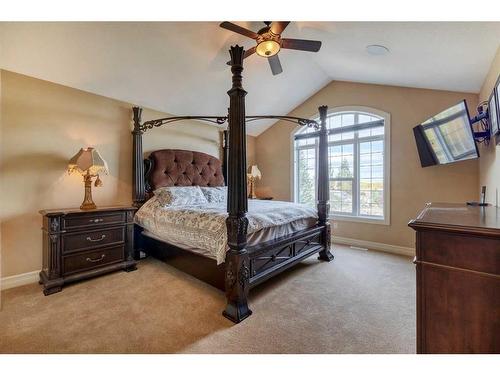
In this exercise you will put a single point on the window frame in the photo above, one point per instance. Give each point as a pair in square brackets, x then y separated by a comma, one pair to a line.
[387, 164]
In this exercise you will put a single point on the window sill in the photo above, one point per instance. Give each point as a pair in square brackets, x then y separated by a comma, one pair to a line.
[360, 219]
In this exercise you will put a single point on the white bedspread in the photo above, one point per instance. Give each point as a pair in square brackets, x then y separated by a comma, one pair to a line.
[204, 226]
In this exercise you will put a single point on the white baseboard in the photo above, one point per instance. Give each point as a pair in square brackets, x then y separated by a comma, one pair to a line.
[401, 250]
[18, 280]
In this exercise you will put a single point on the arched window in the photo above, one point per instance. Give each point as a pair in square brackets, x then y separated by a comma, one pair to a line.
[359, 164]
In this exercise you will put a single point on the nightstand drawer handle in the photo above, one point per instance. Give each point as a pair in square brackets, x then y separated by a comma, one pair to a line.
[96, 239]
[96, 220]
[96, 260]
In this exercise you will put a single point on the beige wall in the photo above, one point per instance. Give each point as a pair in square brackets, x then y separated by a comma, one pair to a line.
[251, 157]
[411, 185]
[44, 124]
[1, 179]
[489, 163]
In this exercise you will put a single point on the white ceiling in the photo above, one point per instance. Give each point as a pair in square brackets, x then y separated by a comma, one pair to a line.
[179, 67]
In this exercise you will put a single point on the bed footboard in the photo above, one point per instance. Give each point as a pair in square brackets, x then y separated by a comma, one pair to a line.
[272, 257]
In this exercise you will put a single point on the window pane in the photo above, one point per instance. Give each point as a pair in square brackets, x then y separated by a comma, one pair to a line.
[341, 161]
[347, 135]
[377, 146]
[364, 118]
[379, 130]
[306, 142]
[308, 129]
[306, 179]
[334, 138]
[365, 148]
[377, 158]
[336, 200]
[371, 170]
[364, 133]
[341, 196]
[335, 122]
[377, 171]
[348, 119]
[377, 202]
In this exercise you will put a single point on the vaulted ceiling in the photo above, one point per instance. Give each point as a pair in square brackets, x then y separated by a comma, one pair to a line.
[180, 67]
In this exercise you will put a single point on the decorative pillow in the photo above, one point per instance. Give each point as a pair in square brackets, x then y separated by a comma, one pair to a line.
[215, 194]
[180, 196]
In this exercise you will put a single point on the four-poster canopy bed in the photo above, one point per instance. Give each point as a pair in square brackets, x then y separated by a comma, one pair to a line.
[246, 263]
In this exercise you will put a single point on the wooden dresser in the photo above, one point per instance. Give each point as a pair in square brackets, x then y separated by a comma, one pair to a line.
[458, 279]
[79, 244]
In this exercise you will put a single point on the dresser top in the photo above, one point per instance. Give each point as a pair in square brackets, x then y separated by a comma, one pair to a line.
[459, 217]
[66, 211]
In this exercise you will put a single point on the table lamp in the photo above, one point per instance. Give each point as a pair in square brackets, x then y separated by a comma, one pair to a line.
[89, 163]
[252, 177]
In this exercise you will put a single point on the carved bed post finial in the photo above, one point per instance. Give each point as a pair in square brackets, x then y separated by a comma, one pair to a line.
[237, 275]
[323, 185]
[138, 189]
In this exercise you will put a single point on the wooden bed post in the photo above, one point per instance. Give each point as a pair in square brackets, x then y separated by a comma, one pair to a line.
[225, 148]
[138, 189]
[237, 273]
[323, 186]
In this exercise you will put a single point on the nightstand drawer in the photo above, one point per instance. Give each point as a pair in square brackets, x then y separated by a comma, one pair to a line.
[93, 219]
[73, 242]
[92, 259]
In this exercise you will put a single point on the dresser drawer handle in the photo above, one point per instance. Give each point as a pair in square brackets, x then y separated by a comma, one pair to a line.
[96, 220]
[96, 260]
[96, 239]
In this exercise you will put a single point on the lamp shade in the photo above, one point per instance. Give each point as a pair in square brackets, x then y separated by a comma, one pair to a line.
[88, 160]
[255, 172]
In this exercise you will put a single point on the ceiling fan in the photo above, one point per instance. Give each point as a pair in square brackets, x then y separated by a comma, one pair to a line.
[269, 42]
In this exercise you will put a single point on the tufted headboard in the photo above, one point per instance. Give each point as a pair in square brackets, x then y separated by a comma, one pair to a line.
[182, 168]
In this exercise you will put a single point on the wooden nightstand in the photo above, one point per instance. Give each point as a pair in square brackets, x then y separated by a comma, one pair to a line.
[78, 244]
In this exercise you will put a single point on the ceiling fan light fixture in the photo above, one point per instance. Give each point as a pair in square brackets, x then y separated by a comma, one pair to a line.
[268, 48]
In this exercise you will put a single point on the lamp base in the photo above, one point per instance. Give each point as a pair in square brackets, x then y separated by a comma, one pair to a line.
[88, 206]
[88, 202]
[252, 188]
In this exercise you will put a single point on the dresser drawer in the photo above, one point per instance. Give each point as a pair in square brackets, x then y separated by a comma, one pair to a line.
[92, 259]
[73, 242]
[88, 220]
[462, 251]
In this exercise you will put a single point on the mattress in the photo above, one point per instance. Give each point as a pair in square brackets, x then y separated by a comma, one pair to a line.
[202, 228]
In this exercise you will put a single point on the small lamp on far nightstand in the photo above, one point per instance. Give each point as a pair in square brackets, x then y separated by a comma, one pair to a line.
[252, 177]
[89, 163]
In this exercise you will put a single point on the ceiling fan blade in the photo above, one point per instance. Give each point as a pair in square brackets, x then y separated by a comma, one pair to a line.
[301, 44]
[238, 29]
[248, 52]
[275, 64]
[277, 27]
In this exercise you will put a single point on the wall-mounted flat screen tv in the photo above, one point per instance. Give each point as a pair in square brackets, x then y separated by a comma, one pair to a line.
[494, 109]
[493, 113]
[447, 137]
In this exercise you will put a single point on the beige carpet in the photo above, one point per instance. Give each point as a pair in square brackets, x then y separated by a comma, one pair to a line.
[362, 302]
